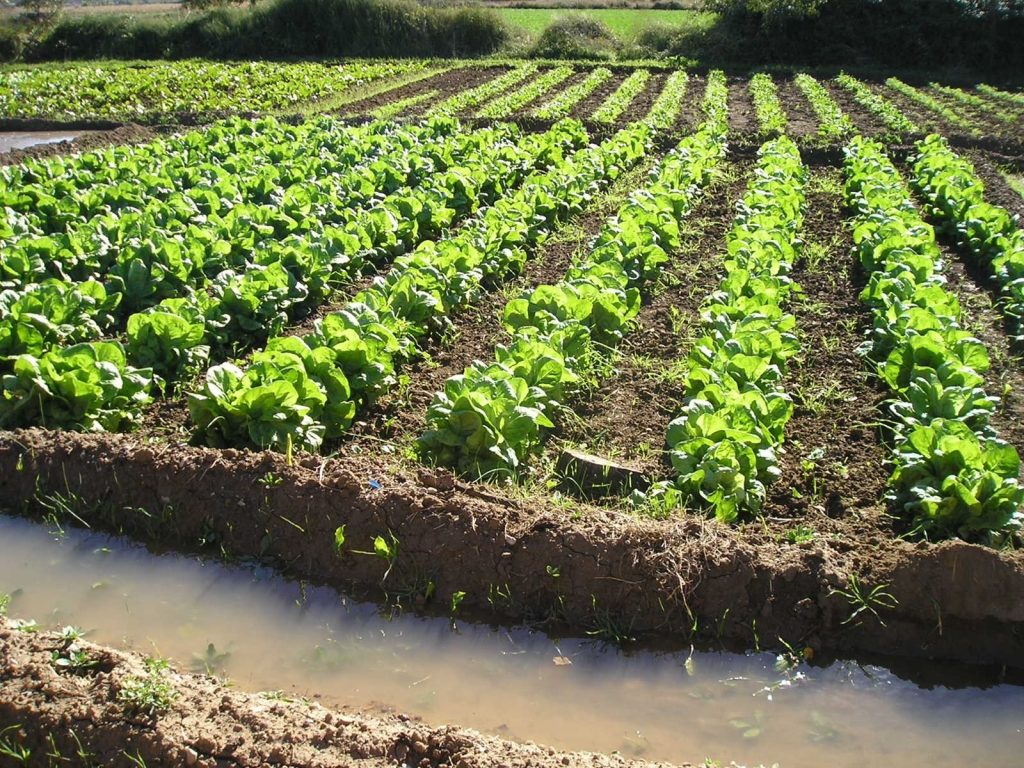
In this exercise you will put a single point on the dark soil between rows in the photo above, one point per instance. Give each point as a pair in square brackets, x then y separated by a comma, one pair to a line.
[833, 460]
[627, 416]
[802, 122]
[210, 724]
[89, 140]
[447, 83]
[690, 116]
[585, 109]
[742, 117]
[639, 108]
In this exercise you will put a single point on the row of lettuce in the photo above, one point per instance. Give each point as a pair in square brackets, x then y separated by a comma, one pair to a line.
[952, 474]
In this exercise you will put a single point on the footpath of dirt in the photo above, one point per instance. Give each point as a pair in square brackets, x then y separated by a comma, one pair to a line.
[686, 578]
[209, 724]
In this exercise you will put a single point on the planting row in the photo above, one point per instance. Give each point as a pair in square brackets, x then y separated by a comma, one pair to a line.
[723, 444]
[952, 474]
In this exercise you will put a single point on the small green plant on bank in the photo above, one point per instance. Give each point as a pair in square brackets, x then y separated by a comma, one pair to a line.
[800, 534]
[864, 600]
[457, 598]
[5, 602]
[9, 747]
[150, 694]
[68, 656]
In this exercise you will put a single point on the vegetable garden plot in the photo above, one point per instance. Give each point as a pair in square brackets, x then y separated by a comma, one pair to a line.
[446, 215]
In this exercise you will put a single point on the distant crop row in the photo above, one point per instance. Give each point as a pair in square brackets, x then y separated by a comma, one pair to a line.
[172, 88]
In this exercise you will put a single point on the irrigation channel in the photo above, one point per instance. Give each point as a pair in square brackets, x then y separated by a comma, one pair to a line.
[268, 633]
[24, 140]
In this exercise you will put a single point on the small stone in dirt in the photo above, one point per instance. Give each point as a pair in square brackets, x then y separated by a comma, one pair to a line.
[594, 476]
[419, 747]
[191, 756]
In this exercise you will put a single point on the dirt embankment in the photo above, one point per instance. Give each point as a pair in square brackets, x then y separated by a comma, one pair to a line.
[95, 136]
[83, 718]
[688, 578]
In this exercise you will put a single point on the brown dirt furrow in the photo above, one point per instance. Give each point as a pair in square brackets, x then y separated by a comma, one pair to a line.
[802, 121]
[446, 83]
[644, 100]
[833, 460]
[585, 109]
[955, 600]
[209, 724]
[690, 116]
[865, 122]
[742, 118]
[627, 416]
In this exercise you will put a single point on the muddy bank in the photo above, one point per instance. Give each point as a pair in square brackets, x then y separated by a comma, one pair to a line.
[210, 724]
[687, 578]
[92, 138]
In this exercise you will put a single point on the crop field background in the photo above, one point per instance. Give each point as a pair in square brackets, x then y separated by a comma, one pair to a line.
[641, 349]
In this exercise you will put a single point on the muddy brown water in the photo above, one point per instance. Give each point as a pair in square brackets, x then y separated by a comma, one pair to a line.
[269, 634]
[25, 139]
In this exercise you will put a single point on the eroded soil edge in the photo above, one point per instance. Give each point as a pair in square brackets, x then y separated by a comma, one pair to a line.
[689, 578]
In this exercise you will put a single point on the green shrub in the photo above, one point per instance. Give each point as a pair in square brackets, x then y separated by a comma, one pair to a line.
[284, 29]
[576, 37]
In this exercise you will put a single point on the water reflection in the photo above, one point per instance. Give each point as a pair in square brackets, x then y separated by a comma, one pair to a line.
[266, 633]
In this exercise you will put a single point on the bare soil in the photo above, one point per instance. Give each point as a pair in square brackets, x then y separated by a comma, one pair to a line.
[210, 724]
[803, 122]
[586, 107]
[742, 118]
[627, 416]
